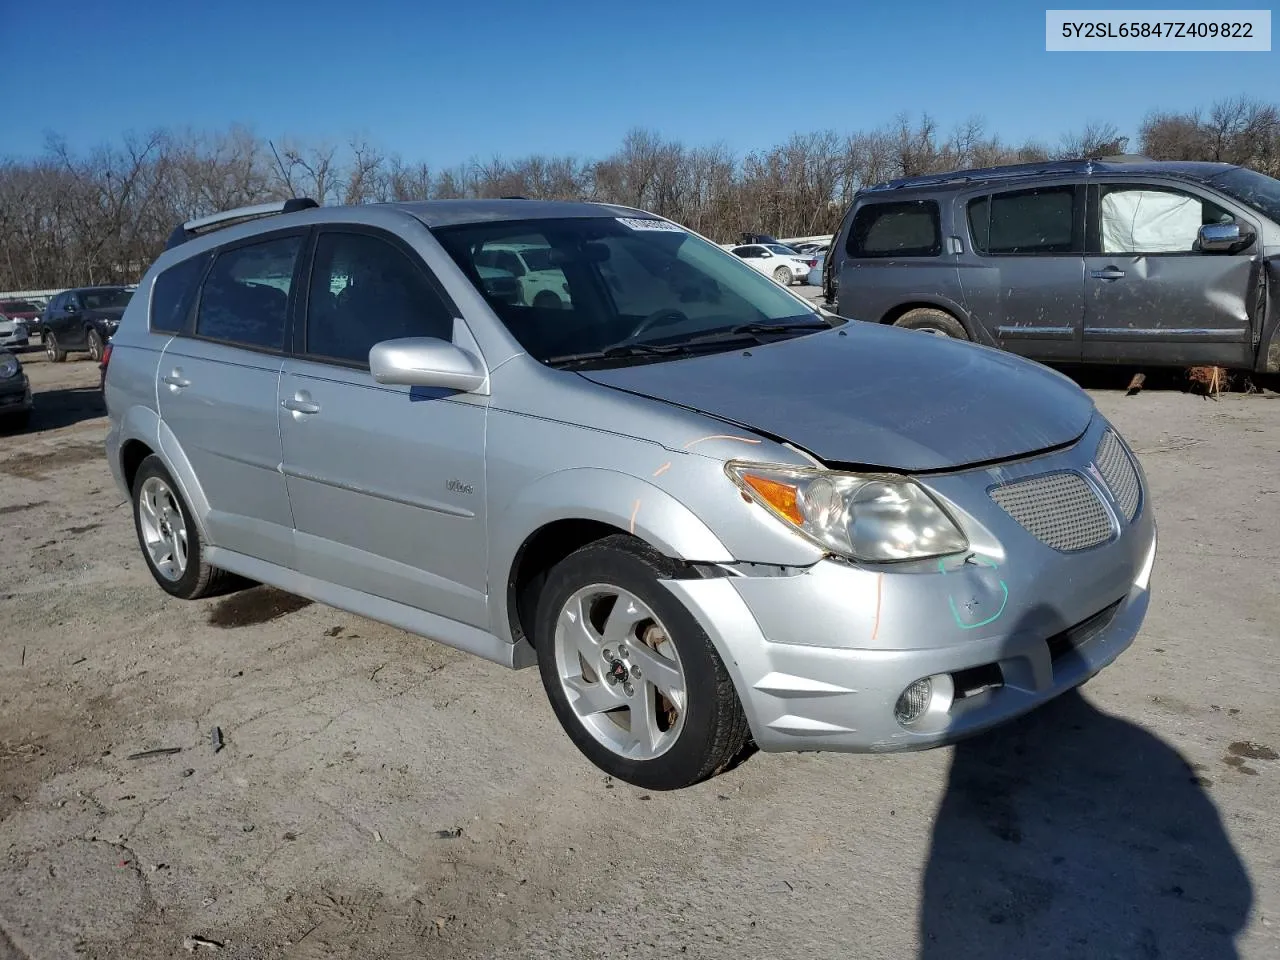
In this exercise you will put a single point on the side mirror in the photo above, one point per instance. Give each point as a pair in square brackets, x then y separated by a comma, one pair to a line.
[1224, 237]
[426, 362]
[766, 254]
[72, 308]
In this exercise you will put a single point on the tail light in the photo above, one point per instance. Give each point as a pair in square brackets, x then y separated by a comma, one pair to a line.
[812, 263]
[106, 358]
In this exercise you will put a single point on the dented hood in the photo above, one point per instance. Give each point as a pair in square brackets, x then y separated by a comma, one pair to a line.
[875, 396]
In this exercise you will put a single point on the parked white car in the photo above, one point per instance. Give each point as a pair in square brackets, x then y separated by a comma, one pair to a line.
[542, 282]
[774, 260]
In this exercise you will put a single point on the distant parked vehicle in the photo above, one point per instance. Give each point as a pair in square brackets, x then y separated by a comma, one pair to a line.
[815, 272]
[13, 332]
[15, 392]
[542, 283]
[777, 261]
[1125, 260]
[24, 311]
[82, 320]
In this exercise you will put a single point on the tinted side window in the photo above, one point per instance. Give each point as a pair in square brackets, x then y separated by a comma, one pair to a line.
[363, 291]
[1024, 221]
[172, 295]
[908, 229]
[246, 295]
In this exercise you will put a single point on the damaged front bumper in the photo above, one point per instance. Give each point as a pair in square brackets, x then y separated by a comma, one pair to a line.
[822, 655]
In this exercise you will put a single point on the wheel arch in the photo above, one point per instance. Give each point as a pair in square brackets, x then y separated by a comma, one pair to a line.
[930, 302]
[566, 510]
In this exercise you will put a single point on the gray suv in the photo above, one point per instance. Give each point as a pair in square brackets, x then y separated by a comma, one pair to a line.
[1120, 261]
[707, 514]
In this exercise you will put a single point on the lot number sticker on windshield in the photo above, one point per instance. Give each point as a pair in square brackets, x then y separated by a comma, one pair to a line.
[636, 223]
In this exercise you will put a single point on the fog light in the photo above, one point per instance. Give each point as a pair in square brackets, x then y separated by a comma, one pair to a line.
[914, 701]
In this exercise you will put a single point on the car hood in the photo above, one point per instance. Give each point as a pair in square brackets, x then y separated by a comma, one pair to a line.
[875, 396]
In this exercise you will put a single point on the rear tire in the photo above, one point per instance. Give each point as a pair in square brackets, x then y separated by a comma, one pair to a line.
[163, 522]
[783, 276]
[52, 349]
[936, 322]
[684, 721]
[94, 339]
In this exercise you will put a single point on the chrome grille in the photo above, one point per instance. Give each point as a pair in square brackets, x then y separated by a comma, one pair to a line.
[1059, 509]
[1117, 469]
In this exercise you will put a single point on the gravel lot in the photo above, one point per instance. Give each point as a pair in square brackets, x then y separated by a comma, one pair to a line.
[378, 795]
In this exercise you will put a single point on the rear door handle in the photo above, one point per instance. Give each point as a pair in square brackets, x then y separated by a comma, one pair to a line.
[1110, 273]
[300, 406]
[176, 379]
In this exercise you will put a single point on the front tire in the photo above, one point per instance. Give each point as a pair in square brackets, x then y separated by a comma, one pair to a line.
[783, 276]
[168, 536]
[633, 678]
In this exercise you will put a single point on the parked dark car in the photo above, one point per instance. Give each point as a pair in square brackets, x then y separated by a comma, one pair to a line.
[1125, 260]
[82, 320]
[15, 392]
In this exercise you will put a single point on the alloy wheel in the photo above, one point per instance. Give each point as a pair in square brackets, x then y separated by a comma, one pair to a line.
[164, 529]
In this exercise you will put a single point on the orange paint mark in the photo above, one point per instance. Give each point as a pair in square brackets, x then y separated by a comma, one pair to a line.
[634, 510]
[719, 436]
[662, 469]
[879, 590]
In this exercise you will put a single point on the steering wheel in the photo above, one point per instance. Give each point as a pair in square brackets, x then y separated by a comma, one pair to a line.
[666, 314]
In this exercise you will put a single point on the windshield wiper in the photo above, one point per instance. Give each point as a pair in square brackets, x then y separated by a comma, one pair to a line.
[754, 331]
[616, 350]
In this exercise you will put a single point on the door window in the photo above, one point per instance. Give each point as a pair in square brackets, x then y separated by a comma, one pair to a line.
[1146, 220]
[908, 229]
[171, 295]
[245, 298]
[363, 291]
[1024, 221]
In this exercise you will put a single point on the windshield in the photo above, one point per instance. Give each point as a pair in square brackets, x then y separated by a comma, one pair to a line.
[619, 280]
[1252, 188]
[105, 299]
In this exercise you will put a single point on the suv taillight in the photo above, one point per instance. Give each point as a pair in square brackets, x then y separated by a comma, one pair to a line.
[106, 358]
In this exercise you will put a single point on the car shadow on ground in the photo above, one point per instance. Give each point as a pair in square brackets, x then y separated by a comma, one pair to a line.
[1074, 833]
[65, 407]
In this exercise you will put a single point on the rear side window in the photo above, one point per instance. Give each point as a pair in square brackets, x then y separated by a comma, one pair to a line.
[172, 295]
[363, 291]
[907, 229]
[1024, 221]
[245, 298]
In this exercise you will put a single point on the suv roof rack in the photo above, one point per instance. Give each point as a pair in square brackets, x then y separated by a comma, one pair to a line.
[1011, 171]
[194, 228]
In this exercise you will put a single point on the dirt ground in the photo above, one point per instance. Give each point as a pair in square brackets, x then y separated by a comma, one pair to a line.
[377, 795]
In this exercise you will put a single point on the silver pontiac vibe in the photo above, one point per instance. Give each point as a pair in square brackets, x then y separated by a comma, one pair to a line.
[710, 515]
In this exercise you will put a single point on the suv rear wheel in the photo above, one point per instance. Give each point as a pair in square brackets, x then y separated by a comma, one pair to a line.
[169, 537]
[52, 349]
[94, 339]
[632, 677]
[928, 320]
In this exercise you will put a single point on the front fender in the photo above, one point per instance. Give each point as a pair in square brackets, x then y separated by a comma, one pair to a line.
[605, 496]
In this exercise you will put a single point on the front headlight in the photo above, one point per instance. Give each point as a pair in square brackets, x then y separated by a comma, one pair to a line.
[876, 518]
[9, 367]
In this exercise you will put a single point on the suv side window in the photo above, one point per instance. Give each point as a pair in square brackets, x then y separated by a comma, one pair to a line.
[172, 293]
[1144, 219]
[365, 290]
[245, 297]
[1041, 220]
[898, 229]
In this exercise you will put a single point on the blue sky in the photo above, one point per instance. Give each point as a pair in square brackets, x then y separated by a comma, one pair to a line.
[443, 82]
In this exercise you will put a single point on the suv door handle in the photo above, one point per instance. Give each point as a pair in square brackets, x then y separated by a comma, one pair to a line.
[176, 379]
[300, 406]
[1110, 273]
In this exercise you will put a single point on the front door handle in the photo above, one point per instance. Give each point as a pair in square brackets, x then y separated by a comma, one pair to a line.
[1110, 273]
[298, 405]
[176, 379]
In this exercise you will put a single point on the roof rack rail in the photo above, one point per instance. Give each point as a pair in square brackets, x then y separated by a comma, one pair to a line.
[1008, 171]
[194, 228]
[513, 197]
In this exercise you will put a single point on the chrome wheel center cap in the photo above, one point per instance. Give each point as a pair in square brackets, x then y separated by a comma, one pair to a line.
[617, 672]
